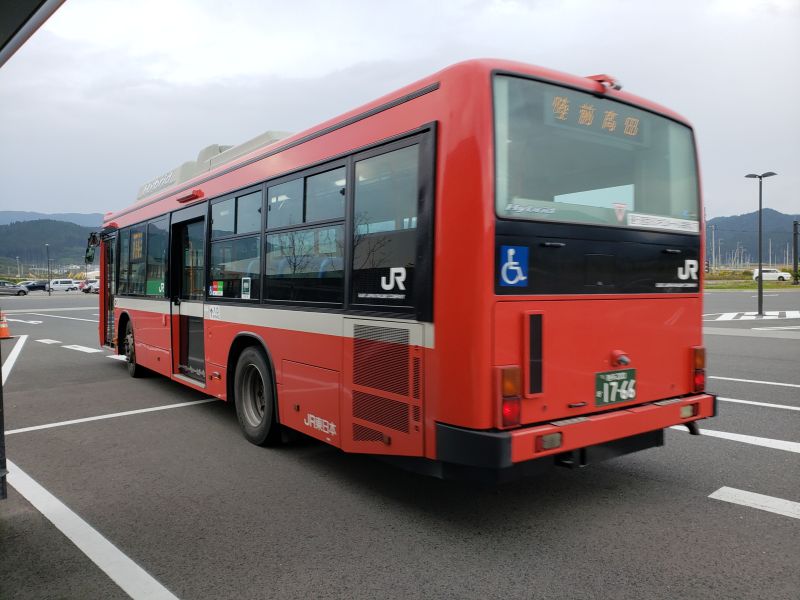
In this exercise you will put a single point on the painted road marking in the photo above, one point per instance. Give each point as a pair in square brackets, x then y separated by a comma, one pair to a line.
[12, 358]
[60, 317]
[779, 506]
[752, 316]
[23, 311]
[117, 357]
[48, 341]
[777, 328]
[134, 580]
[777, 335]
[795, 385]
[765, 404]
[748, 439]
[108, 416]
[23, 321]
[85, 349]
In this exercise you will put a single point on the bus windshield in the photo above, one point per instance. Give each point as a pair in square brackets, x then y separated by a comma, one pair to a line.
[569, 156]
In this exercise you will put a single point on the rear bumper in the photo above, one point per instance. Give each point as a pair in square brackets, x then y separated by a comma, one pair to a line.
[598, 436]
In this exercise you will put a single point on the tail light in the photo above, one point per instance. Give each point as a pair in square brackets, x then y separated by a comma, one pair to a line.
[510, 395]
[699, 365]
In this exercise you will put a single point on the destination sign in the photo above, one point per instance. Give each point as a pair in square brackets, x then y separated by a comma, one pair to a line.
[602, 117]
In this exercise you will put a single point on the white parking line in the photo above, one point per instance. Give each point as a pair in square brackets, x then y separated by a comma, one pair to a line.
[85, 349]
[117, 357]
[47, 341]
[764, 404]
[771, 504]
[60, 317]
[108, 416]
[132, 578]
[794, 385]
[12, 358]
[748, 439]
[24, 311]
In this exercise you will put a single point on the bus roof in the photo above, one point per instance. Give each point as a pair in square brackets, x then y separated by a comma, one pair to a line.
[217, 156]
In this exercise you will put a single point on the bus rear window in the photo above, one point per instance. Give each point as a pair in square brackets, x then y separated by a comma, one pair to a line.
[568, 156]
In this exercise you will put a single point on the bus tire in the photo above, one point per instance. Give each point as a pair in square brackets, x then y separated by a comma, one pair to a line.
[129, 349]
[254, 398]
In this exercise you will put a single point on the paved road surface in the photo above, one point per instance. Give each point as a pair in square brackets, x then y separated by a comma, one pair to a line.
[181, 496]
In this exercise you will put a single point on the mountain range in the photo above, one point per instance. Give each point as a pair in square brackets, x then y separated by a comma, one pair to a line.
[85, 219]
[24, 235]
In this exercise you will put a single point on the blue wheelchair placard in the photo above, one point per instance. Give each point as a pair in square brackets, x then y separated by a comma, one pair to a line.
[513, 266]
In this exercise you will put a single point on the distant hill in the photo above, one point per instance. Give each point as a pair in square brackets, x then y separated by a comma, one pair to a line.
[737, 237]
[27, 239]
[85, 219]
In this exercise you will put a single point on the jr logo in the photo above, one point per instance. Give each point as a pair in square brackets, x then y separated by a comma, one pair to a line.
[688, 270]
[397, 276]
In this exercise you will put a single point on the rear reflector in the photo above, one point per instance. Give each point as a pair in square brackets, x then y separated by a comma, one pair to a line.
[548, 442]
[690, 410]
[535, 365]
[511, 412]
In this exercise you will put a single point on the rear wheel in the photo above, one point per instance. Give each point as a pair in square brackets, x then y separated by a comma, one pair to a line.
[254, 398]
[129, 348]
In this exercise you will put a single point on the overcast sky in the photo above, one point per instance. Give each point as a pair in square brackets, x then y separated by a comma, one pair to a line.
[108, 94]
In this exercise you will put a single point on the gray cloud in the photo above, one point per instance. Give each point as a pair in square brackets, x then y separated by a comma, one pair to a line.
[84, 122]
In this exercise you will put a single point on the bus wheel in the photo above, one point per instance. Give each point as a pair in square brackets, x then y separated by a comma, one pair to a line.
[134, 370]
[255, 402]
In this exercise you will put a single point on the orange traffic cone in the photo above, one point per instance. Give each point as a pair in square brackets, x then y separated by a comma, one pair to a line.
[5, 332]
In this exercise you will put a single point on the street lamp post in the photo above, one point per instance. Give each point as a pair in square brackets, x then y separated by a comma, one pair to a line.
[49, 288]
[760, 266]
[19, 272]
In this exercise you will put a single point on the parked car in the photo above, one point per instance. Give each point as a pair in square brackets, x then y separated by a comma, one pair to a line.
[94, 287]
[12, 289]
[772, 275]
[63, 285]
[86, 286]
[37, 285]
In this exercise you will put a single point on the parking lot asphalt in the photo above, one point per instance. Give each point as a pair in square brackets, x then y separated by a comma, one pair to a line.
[184, 498]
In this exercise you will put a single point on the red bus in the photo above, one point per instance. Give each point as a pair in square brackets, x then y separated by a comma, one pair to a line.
[490, 271]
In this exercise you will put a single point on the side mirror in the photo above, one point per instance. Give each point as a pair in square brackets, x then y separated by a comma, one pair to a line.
[89, 254]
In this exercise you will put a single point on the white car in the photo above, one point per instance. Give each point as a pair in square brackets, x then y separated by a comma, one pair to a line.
[772, 275]
[63, 285]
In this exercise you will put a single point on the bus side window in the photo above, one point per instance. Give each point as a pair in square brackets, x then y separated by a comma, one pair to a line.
[384, 238]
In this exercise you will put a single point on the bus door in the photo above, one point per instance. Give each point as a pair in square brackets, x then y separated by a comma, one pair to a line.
[108, 281]
[187, 291]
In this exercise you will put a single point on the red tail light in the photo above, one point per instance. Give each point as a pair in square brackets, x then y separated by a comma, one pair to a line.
[699, 380]
[699, 365]
[511, 412]
[510, 394]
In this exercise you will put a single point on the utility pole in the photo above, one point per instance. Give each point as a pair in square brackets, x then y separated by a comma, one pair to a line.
[713, 248]
[795, 227]
[49, 287]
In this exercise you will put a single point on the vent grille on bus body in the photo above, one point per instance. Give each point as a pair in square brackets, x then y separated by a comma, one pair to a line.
[380, 358]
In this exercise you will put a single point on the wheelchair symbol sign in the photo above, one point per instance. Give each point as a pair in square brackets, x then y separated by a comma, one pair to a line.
[514, 266]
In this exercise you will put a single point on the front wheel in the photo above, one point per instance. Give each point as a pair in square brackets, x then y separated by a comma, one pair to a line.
[781, 278]
[129, 349]
[21, 293]
[254, 398]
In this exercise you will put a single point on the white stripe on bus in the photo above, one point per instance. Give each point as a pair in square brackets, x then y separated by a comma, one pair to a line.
[324, 323]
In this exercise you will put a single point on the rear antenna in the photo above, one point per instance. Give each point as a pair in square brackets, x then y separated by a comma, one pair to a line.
[608, 81]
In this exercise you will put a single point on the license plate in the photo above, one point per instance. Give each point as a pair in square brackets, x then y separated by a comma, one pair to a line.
[614, 386]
